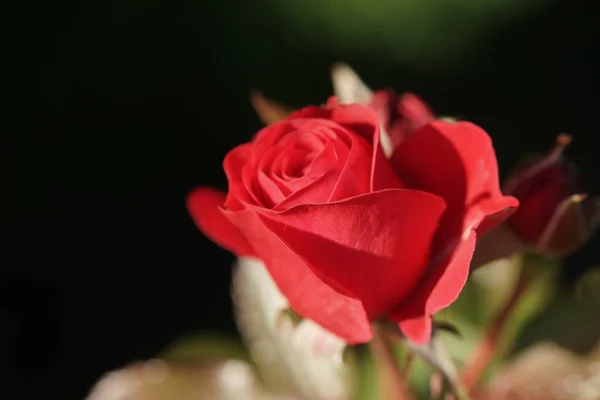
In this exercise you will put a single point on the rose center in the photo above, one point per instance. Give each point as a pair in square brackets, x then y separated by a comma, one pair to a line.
[297, 160]
[301, 155]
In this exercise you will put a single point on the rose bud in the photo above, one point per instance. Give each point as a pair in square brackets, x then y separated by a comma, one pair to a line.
[349, 235]
[555, 216]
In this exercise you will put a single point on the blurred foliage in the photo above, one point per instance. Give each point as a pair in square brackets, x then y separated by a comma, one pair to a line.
[419, 33]
[204, 346]
[571, 320]
[588, 287]
[479, 302]
[365, 376]
[546, 313]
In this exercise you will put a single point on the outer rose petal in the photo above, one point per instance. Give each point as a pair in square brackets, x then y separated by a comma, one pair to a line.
[375, 246]
[233, 165]
[204, 205]
[461, 168]
[437, 291]
[308, 295]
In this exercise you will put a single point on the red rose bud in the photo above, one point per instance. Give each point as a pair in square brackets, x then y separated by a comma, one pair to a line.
[402, 114]
[555, 215]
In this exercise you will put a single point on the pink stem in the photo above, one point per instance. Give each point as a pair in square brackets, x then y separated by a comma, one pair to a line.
[486, 350]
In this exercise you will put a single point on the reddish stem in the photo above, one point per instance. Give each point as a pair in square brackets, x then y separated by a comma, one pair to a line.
[392, 380]
[485, 351]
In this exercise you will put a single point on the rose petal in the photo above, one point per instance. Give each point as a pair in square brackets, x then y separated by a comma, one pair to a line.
[347, 176]
[375, 246]
[414, 113]
[320, 188]
[498, 244]
[383, 175]
[233, 165]
[269, 188]
[535, 213]
[364, 121]
[414, 108]
[308, 295]
[569, 228]
[437, 290]
[350, 177]
[461, 168]
[490, 213]
[288, 161]
[355, 117]
[204, 205]
[401, 114]
[354, 175]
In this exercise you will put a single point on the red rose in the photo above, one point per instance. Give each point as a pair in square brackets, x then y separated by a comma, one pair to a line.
[400, 115]
[555, 215]
[348, 235]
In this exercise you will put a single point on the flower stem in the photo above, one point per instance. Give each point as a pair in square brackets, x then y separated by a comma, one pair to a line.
[392, 380]
[486, 350]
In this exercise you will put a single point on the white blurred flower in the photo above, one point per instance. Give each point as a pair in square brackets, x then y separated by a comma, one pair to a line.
[547, 372]
[157, 380]
[295, 356]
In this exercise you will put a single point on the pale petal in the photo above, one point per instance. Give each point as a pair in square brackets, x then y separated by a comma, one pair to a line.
[291, 355]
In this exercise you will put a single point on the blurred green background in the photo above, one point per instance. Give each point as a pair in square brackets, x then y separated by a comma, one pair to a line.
[118, 108]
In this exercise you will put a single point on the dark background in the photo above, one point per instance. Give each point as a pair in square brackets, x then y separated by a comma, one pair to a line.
[120, 108]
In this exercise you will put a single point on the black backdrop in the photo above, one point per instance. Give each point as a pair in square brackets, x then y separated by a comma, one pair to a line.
[118, 114]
